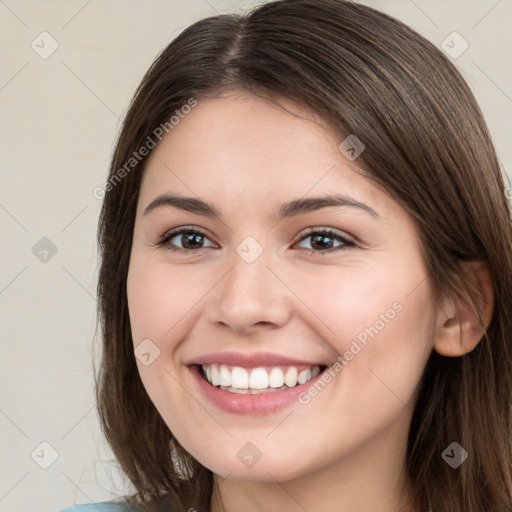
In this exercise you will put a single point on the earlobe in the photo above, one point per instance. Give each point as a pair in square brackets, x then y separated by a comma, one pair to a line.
[462, 320]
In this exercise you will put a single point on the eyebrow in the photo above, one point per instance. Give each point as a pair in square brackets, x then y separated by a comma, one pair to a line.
[289, 209]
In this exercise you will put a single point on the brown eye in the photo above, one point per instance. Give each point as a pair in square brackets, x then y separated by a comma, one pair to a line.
[325, 240]
[184, 240]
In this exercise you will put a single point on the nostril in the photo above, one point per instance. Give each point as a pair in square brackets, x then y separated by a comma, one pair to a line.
[263, 324]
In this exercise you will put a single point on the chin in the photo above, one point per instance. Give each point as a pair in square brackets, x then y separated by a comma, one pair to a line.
[269, 468]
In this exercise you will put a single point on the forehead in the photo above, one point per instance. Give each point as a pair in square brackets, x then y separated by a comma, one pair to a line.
[244, 145]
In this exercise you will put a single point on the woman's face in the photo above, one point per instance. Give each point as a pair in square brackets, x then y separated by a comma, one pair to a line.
[241, 292]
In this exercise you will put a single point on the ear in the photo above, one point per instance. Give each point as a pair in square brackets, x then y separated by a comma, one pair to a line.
[462, 321]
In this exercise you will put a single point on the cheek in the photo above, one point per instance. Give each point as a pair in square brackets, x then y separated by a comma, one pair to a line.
[348, 300]
[380, 321]
[378, 318]
[159, 299]
[161, 306]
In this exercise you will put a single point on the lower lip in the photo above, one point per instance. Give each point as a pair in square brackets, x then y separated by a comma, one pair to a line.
[257, 405]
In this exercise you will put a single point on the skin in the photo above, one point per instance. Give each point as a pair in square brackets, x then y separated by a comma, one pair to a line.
[345, 449]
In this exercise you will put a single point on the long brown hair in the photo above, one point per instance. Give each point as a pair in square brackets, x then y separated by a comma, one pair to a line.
[427, 144]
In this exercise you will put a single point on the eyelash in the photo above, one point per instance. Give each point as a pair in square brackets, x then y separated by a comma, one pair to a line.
[165, 239]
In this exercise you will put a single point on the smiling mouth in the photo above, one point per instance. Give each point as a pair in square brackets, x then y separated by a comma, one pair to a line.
[264, 379]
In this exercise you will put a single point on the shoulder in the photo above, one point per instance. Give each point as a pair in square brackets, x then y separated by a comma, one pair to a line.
[104, 506]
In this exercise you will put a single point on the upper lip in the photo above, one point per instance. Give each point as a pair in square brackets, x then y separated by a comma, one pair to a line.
[254, 360]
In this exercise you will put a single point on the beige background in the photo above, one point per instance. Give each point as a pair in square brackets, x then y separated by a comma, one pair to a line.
[59, 118]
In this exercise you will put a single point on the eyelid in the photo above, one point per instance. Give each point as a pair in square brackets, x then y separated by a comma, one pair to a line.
[347, 242]
[328, 230]
[168, 235]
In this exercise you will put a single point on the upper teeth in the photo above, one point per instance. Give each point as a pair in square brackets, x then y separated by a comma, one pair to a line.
[258, 378]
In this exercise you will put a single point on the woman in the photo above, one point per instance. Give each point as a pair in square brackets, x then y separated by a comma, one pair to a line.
[306, 274]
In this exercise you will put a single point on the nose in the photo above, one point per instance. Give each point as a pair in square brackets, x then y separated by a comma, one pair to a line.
[250, 297]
